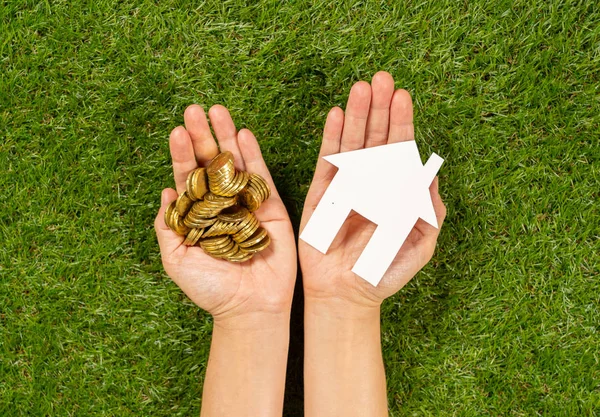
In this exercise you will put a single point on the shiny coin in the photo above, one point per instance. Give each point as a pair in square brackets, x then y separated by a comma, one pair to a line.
[262, 245]
[232, 251]
[215, 242]
[220, 200]
[174, 221]
[218, 228]
[178, 226]
[196, 184]
[241, 256]
[193, 237]
[241, 225]
[247, 231]
[220, 172]
[183, 203]
[250, 198]
[233, 214]
[220, 162]
[256, 237]
[169, 215]
[194, 222]
[261, 185]
[218, 252]
[236, 185]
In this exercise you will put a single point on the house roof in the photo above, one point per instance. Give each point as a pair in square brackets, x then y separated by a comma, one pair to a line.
[384, 182]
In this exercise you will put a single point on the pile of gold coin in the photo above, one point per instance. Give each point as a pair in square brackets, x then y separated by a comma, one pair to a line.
[216, 211]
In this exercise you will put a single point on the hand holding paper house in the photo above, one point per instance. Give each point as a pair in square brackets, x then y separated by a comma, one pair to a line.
[388, 185]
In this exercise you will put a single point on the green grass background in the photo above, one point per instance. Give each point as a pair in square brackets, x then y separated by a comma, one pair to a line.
[504, 321]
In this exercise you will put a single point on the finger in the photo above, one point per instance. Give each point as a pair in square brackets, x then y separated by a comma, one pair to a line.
[253, 158]
[226, 133]
[440, 212]
[378, 123]
[401, 118]
[438, 204]
[357, 112]
[168, 240]
[324, 172]
[332, 136]
[205, 147]
[182, 154]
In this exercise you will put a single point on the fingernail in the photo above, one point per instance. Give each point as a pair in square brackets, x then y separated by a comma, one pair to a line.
[163, 197]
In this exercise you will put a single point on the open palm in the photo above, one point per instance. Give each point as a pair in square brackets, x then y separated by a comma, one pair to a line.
[265, 283]
[375, 115]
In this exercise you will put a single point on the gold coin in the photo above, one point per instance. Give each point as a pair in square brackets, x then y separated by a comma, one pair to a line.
[247, 231]
[215, 242]
[174, 221]
[198, 222]
[262, 245]
[188, 185]
[231, 228]
[239, 185]
[241, 256]
[219, 162]
[256, 237]
[193, 237]
[225, 189]
[260, 186]
[169, 215]
[222, 179]
[250, 198]
[262, 183]
[196, 238]
[223, 250]
[219, 187]
[178, 225]
[206, 209]
[217, 229]
[236, 185]
[201, 214]
[258, 192]
[221, 172]
[215, 198]
[232, 251]
[183, 203]
[196, 184]
[233, 214]
[249, 218]
[233, 254]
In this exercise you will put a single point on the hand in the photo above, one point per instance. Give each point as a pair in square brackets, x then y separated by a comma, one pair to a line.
[229, 291]
[375, 115]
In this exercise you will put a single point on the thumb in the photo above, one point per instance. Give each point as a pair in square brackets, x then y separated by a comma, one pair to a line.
[168, 240]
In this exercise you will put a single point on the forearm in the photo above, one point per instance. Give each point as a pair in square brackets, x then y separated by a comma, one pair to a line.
[343, 365]
[246, 369]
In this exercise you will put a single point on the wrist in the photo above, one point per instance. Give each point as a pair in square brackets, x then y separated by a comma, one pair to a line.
[253, 322]
[343, 290]
[341, 309]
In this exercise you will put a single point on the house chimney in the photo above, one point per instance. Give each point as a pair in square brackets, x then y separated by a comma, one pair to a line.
[431, 168]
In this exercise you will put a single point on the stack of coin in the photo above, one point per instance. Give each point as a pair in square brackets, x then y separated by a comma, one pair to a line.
[216, 210]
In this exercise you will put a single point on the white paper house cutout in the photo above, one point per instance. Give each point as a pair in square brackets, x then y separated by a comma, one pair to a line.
[388, 185]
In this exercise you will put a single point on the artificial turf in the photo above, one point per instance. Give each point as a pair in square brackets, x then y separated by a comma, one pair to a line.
[504, 321]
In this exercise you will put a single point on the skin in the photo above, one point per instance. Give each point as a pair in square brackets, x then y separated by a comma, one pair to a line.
[250, 302]
[343, 369]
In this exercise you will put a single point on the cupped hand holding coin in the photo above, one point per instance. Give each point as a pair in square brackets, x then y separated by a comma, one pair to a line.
[231, 245]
